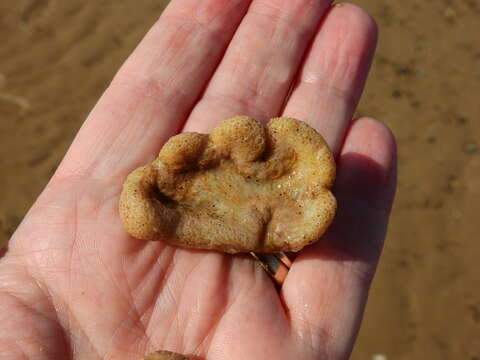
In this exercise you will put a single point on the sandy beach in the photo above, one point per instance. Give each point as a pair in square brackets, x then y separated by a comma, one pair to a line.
[57, 57]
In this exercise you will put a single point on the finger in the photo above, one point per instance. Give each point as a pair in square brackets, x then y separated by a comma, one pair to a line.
[334, 72]
[256, 73]
[155, 89]
[326, 289]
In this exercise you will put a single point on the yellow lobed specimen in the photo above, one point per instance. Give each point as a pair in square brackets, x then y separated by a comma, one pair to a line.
[245, 187]
[165, 355]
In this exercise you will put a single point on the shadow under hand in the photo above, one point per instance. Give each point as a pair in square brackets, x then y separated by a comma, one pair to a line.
[364, 190]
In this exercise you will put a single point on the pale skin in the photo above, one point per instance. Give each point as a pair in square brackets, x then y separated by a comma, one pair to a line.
[74, 285]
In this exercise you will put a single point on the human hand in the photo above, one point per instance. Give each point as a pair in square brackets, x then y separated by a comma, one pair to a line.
[73, 284]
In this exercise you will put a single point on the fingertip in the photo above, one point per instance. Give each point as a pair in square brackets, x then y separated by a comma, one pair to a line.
[356, 20]
[356, 16]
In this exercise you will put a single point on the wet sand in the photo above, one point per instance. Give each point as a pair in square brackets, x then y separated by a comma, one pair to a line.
[56, 58]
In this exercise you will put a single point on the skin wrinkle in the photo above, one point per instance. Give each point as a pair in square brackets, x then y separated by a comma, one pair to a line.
[215, 322]
[173, 299]
[134, 320]
[176, 324]
[21, 352]
[186, 31]
[216, 31]
[48, 293]
[153, 89]
[176, 44]
[34, 253]
[37, 312]
[150, 307]
[317, 351]
[195, 28]
[252, 93]
[330, 89]
[186, 283]
[214, 99]
[233, 302]
[159, 255]
[48, 296]
[267, 75]
[278, 12]
[66, 171]
[100, 167]
[141, 316]
[67, 323]
[345, 66]
[316, 337]
[70, 315]
[32, 340]
[167, 292]
[136, 128]
[128, 299]
[277, 19]
[205, 13]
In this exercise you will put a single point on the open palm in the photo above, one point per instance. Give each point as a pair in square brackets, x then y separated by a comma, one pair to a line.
[74, 285]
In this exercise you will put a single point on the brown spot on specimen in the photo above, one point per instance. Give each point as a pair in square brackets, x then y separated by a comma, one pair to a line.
[245, 187]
